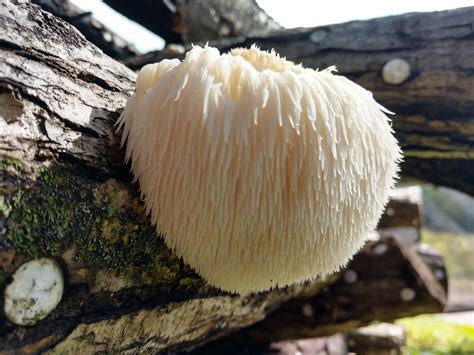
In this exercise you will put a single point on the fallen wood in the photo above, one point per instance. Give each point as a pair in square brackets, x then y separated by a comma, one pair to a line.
[403, 209]
[385, 281]
[94, 31]
[402, 216]
[332, 345]
[434, 119]
[379, 339]
[65, 194]
[192, 21]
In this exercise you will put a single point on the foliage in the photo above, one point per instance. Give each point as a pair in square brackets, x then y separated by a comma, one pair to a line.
[456, 249]
[428, 334]
[447, 210]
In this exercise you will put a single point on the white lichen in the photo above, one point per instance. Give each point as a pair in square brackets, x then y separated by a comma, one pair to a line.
[307, 310]
[258, 172]
[350, 276]
[36, 289]
[396, 71]
[407, 294]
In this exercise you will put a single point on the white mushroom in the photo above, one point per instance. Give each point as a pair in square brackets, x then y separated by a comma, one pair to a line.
[258, 172]
[36, 290]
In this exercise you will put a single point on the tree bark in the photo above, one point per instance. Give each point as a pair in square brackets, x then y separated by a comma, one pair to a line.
[434, 119]
[183, 21]
[94, 31]
[385, 281]
[65, 194]
[403, 209]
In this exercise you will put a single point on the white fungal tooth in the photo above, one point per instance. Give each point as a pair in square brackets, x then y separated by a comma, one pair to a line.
[258, 172]
[36, 290]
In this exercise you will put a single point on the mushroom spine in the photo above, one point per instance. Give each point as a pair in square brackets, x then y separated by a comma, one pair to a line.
[258, 172]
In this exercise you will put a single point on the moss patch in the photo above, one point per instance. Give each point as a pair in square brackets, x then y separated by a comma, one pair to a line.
[103, 221]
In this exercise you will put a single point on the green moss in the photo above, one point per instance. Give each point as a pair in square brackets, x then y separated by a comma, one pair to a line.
[103, 221]
[6, 163]
[4, 207]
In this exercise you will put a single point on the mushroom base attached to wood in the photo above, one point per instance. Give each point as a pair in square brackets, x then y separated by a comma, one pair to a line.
[258, 172]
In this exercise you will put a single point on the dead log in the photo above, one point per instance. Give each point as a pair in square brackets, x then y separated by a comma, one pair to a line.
[65, 194]
[434, 119]
[402, 216]
[333, 345]
[385, 281]
[194, 21]
[94, 31]
[403, 209]
[379, 339]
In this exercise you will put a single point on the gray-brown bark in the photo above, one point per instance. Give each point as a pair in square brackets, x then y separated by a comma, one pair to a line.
[385, 281]
[64, 193]
[184, 21]
[403, 209]
[94, 31]
[434, 109]
[379, 339]
[403, 215]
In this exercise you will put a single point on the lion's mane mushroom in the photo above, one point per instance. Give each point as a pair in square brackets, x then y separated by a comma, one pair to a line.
[258, 172]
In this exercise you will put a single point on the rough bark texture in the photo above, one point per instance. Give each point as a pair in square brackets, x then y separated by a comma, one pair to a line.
[332, 345]
[403, 209]
[402, 215]
[380, 339]
[184, 21]
[385, 281]
[434, 109]
[94, 31]
[159, 16]
[64, 193]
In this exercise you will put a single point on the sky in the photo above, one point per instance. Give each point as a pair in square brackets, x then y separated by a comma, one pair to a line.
[290, 14]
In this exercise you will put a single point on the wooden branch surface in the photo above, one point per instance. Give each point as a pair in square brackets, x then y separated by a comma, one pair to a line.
[385, 281]
[94, 31]
[197, 20]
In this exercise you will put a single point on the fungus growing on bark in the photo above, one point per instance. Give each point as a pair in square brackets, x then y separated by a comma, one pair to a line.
[36, 289]
[258, 172]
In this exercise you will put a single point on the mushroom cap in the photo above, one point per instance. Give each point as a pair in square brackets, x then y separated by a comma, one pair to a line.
[258, 172]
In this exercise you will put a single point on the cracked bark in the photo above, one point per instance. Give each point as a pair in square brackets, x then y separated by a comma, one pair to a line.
[94, 31]
[64, 193]
[373, 286]
[182, 21]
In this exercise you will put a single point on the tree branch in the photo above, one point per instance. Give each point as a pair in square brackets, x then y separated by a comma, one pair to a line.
[197, 20]
[94, 31]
